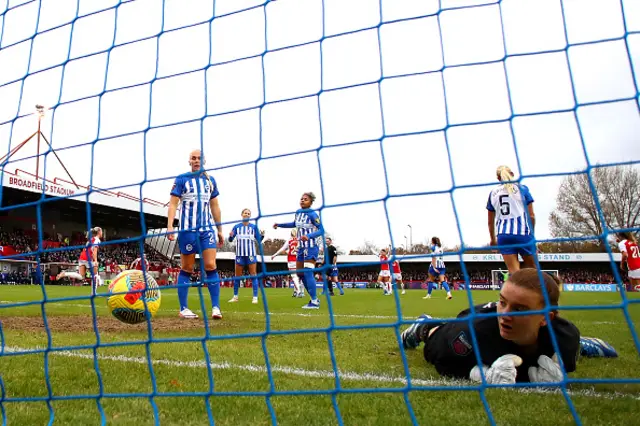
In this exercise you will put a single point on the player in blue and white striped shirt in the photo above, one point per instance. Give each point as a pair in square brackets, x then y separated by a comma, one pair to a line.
[510, 213]
[246, 234]
[308, 226]
[437, 269]
[195, 194]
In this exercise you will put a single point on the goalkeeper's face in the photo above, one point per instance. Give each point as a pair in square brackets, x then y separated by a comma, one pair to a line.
[520, 329]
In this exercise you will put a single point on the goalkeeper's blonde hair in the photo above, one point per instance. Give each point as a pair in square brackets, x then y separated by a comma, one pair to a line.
[505, 174]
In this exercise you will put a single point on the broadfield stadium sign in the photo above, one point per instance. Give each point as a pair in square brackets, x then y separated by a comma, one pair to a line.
[27, 182]
[33, 185]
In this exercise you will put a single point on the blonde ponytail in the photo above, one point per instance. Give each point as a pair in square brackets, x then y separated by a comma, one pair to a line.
[504, 174]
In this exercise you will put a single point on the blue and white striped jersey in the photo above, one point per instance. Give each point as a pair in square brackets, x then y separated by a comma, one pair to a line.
[437, 251]
[307, 222]
[511, 210]
[246, 237]
[195, 193]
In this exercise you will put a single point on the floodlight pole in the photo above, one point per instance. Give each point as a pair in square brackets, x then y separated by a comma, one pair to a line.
[39, 134]
[17, 148]
[40, 114]
[61, 163]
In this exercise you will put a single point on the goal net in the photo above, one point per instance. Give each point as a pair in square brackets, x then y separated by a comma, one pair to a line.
[394, 113]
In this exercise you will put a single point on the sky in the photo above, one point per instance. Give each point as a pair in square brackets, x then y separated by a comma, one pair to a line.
[397, 128]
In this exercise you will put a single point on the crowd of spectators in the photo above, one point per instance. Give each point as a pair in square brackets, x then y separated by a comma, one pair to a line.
[26, 241]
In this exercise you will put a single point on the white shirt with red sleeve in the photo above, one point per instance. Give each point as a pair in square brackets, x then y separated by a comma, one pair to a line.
[633, 254]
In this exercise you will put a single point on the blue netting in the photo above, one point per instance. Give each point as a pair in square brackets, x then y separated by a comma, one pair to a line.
[438, 11]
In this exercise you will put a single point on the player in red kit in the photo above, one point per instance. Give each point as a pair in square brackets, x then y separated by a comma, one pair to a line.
[630, 256]
[291, 247]
[384, 277]
[397, 274]
[140, 263]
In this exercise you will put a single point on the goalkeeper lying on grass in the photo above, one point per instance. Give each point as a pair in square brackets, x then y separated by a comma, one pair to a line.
[515, 348]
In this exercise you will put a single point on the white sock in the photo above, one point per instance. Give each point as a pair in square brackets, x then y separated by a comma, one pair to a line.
[296, 283]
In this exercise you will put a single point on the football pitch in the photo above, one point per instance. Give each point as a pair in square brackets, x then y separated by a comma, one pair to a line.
[236, 373]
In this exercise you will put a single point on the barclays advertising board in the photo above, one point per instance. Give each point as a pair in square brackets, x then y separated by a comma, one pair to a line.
[590, 287]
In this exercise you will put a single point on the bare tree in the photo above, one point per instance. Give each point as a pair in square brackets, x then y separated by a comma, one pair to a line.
[270, 246]
[367, 248]
[420, 248]
[576, 213]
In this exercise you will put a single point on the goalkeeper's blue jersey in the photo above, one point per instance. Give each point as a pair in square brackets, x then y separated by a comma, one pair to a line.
[195, 193]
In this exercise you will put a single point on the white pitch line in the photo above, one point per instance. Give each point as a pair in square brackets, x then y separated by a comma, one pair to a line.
[322, 374]
[293, 314]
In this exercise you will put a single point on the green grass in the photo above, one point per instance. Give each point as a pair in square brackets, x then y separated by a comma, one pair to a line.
[368, 358]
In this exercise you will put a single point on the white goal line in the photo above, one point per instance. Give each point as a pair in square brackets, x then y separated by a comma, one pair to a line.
[322, 374]
[289, 314]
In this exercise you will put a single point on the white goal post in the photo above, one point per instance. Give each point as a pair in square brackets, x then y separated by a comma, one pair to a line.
[499, 276]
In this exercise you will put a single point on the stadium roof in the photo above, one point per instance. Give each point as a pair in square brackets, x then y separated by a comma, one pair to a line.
[110, 209]
[62, 188]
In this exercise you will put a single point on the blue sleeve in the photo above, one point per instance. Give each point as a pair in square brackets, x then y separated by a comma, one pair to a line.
[315, 219]
[286, 225]
[178, 187]
[526, 195]
[214, 192]
[489, 205]
[233, 233]
[259, 236]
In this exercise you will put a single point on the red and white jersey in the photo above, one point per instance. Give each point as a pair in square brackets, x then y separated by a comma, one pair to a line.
[84, 255]
[633, 253]
[396, 267]
[384, 266]
[137, 264]
[292, 250]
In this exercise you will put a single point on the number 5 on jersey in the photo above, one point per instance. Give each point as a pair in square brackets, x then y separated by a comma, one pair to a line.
[505, 208]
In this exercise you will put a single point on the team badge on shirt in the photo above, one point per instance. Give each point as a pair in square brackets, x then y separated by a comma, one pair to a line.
[461, 345]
